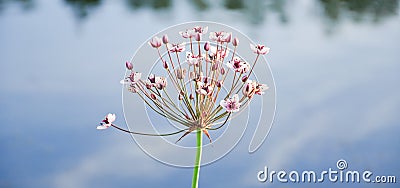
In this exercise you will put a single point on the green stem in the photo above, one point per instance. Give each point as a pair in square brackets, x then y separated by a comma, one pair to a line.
[196, 170]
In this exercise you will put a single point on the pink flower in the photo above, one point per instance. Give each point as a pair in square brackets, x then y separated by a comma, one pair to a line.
[193, 59]
[176, 47]
[195, 31]
[132, 79]
[186, 34]
[155, 42]
[261, 88]
[222, 53]
[232, 104]
[156, 81]
[200, 30]
[252, 87]
[249, 88]
[152, 79]
[204, 89]
[221, 36]
[227, 38]
[238, 65]
[107, 121]
[161, 83]
[135, 76]
[259, 49]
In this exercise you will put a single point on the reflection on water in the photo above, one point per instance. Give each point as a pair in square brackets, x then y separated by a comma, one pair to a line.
[25, 4]
[234, 4]
[155, 4]
[375, 10]
[82, 8]
[255, 11]
[200, 4]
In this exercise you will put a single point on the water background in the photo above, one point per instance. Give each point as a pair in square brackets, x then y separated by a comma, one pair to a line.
[335, 64]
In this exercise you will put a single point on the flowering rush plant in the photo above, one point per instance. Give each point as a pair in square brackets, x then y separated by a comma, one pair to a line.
[190, 92]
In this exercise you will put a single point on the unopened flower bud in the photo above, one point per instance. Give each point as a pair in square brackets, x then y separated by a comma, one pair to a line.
[235, 41]
[132, 89]
[152, 78]
[192, 75]
[153, 96]
[244, 78]
[165, 65]
[191, 97]
[228, 38]
[149, 85]
[180, 73]
[219, 83]
[206, 80]
[198, 37]
[187, 116]
[214, 66]
[129, 65]
[222, 70]
[180, 97]
[165, 39]
[207, 46]
[155, 42]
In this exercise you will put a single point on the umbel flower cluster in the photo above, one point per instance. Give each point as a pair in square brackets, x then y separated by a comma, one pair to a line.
[190, 92]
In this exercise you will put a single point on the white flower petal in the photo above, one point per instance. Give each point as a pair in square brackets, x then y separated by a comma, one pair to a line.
[111, 118]
[169, 45]
[229, 64]
[124, 82]
[223, 103]
[264, 50]
[235, 110]
[191, 32]
[102, 127]
[213, 49]
[205, 29]
[264, 87]
[235, 98]
[253, 48]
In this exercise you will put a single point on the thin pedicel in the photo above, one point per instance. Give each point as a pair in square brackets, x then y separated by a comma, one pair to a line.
[196, 75]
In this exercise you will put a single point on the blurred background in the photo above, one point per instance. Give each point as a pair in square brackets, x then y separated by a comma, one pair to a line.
[335, 64]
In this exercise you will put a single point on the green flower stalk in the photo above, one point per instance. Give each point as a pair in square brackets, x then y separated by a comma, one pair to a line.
[195, 77]
[196, 168]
